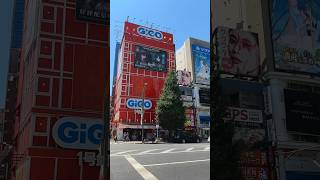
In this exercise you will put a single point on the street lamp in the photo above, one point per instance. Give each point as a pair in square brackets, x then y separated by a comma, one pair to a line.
[142, 112]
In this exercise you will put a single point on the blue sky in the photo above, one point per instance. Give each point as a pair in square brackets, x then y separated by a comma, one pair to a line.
[5, 36]
[183, 18]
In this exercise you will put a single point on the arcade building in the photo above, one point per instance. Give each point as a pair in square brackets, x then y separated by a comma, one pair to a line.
[145, 57]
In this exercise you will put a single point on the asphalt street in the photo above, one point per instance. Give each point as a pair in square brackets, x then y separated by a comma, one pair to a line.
[160, 161]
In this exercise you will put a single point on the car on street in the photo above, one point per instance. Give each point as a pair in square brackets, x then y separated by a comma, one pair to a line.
[185, 137]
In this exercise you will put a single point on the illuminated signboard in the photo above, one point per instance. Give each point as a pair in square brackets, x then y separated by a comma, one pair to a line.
[133, 103]
[150, 59]
[78, 133]
[151, 33]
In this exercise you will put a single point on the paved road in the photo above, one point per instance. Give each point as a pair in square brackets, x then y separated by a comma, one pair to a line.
[160, 161]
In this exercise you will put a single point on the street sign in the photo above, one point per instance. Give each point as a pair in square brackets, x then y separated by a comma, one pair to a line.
[138, 111]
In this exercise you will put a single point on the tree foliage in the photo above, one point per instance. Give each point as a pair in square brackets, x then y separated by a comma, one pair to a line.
[170, 112]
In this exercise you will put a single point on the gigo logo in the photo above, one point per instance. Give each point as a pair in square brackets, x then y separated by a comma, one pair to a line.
[144, 31]
[78, 133]
[134, 103]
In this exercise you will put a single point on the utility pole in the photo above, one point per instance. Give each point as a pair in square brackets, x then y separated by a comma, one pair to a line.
[142, 112]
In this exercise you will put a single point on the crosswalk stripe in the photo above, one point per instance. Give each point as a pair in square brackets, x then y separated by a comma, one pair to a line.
[169, 150]
[123, 152]
[189, 149]
[147, 175]
[147, 151]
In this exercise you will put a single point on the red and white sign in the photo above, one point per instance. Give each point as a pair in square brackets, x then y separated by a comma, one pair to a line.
[244, 115]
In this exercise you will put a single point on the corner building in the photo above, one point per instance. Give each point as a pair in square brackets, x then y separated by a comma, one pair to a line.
[140, 43]
[62, 75]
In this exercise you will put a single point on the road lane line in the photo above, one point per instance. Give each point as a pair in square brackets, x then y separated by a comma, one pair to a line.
[140, 169]
[147, 151]
[169, 150]
[181, 162]
[122, 152]
[189, 149]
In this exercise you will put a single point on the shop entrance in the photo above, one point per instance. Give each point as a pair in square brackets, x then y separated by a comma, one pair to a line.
[135, 134]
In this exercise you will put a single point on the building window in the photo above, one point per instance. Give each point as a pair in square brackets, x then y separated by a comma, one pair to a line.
[204, 96]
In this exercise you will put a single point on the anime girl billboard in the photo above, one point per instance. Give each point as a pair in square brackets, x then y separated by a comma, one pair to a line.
[295, 35]
[201, 59]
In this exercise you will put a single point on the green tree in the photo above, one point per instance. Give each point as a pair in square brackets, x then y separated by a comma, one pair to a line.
[170, 112]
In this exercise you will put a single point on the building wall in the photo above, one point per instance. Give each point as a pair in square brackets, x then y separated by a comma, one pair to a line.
[184, 60]
[62, 73]
[130, 80]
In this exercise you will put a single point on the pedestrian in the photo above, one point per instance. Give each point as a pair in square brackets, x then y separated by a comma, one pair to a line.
[115, 138]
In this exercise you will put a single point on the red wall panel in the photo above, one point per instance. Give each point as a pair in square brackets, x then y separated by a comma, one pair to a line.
[55, 92]
[57, 55]
[47, 27]
[67, 93]
[45, 63]
[88, 83]
[90, 173]
[39, 171]
[48, 12]
[95, 32]
[42, 100]
[68, 169]
[74, 27]
[68, 58]
[59, 21]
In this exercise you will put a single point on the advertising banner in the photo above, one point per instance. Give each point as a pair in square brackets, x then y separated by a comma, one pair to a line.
[201, 60]
[295, 35]
[302, 111]
[150, 59]
[238, 52]
[184, 77]
[92, 10]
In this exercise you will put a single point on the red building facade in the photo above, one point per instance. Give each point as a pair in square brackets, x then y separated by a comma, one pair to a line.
[140, 43]
[63, 73]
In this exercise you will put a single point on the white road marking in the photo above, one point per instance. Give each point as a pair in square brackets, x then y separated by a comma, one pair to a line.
[169, 150]
[121, 153]
[189, 149]
[151, 153]
[207, 148]
[181, 162]
[147, 151]
[140, 169]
